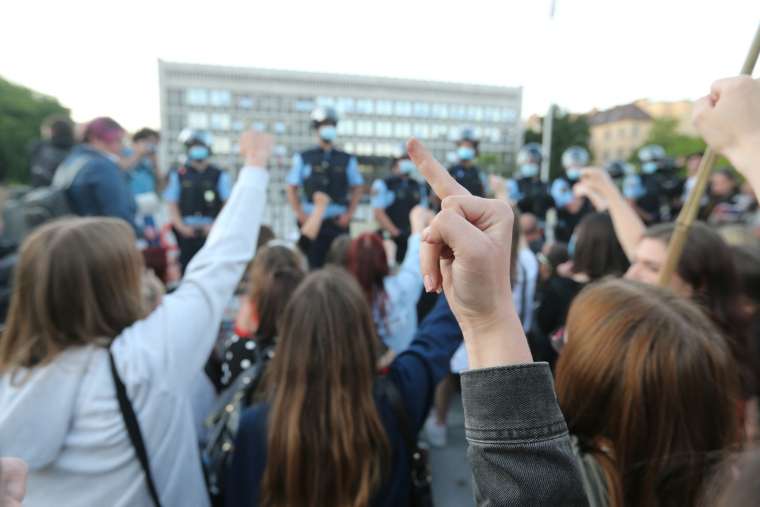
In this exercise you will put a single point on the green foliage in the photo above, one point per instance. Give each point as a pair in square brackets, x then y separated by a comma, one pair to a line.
[492, 163]
[568, 130]
[21, 113]
[664, 132]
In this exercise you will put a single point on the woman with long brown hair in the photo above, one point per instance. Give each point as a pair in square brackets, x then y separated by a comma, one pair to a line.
[649, 389]
[328, 432]
[78, 352]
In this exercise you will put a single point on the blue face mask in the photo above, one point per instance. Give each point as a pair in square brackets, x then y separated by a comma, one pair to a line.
[528, 170]
[649, 167]
[328, 133]
[573, 173]
[198, 152]
[465, 153]
[406, 166]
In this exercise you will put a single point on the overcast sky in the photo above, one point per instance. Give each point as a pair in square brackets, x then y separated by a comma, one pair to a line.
[101, 57]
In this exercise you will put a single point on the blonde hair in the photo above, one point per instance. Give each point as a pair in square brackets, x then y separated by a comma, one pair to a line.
[77, 281]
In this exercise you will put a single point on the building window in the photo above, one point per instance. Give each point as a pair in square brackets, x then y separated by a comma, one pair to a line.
[439, 131]
[384, 107]
[345, 105]
[365, 106]
[364, 128]
[385, 149]
[238, 125]
[491, 114]
[196, 96]
[403, 108]
[421, 130]
[197, 120]
[346, 127]
[422, 109]
[384, 129]
[221, 145]
[508, 115]
[493, 134]
[259, 125]
[475, 113]
[349, 147]
[279, 128]
[440, 111]
[458, 112]
[364, 148]
[325, 102]
[220, 98]
[304, 105]
[220, 121]
[245, 102]
[402, 130]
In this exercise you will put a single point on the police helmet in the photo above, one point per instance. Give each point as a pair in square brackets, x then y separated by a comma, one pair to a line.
[191, 137]
[468, 134]
[324, 115]
[651, 153]
[575, 156]
[530, 153]
[618, 169]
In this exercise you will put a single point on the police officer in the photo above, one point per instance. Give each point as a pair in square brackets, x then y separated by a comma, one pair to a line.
[662, 185]
[526, 189]
[466, 172]
[196, 192]
[325, 169]
[393, 199]
[570, 208]
[625, 178]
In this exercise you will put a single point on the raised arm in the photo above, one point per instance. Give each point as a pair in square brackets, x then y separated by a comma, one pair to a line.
[628, 225]
[729, 121]
[180, 333]
[518, 441]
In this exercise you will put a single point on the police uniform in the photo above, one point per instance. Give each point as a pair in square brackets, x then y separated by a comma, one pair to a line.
[333, 172]
[200, 196]
[530, 195]
[562, 194]
[470, 177]
[398, 195]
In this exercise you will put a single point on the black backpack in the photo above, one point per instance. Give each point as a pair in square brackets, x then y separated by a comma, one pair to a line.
[29, 210]
[223, 423]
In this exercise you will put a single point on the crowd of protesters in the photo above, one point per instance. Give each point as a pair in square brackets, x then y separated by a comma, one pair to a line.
[245, 369]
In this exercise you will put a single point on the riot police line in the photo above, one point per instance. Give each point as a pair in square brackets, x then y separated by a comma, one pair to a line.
[195, 190]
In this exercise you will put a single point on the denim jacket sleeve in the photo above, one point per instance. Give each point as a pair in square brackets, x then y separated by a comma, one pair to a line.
[519, 446]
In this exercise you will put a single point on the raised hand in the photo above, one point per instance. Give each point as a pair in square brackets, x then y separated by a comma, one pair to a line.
[419, 218]
[729, 121]
[321, 199]
[256, 148]
[466, 252]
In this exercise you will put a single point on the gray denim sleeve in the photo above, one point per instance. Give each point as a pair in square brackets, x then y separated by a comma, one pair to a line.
[519, 447]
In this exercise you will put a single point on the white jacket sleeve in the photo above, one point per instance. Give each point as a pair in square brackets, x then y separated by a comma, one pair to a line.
[178, 336]
[407, 283]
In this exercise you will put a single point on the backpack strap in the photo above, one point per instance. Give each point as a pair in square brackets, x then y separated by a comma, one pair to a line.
[133, 429]
[67, 172]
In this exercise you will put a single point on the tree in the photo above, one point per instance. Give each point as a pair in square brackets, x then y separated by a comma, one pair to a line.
[21, 113]
[567, 130]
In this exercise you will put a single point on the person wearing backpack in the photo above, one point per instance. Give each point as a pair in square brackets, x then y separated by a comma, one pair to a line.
[80, 361]
[48, 153]
[95, 184]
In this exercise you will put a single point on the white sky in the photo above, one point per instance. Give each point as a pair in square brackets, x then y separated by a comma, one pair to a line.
[100, 57]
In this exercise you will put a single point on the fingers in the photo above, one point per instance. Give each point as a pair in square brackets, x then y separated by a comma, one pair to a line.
[701, 107]
[436, 175]
[490, 215]
[430, 255]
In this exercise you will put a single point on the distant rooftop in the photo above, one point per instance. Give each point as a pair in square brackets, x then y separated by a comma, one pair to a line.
[618, 113]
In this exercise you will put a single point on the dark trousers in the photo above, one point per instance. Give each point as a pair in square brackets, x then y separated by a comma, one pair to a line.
[188, 247]
[321, 244]
[401, 241]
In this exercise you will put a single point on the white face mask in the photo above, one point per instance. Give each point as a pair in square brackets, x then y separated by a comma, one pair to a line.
[406, 166]
[573, 173]
[528, 170]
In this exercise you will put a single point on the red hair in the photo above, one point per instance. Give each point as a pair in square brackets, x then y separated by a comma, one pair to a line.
[366, 260]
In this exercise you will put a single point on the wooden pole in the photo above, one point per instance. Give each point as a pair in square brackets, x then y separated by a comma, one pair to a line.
[691, 206]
